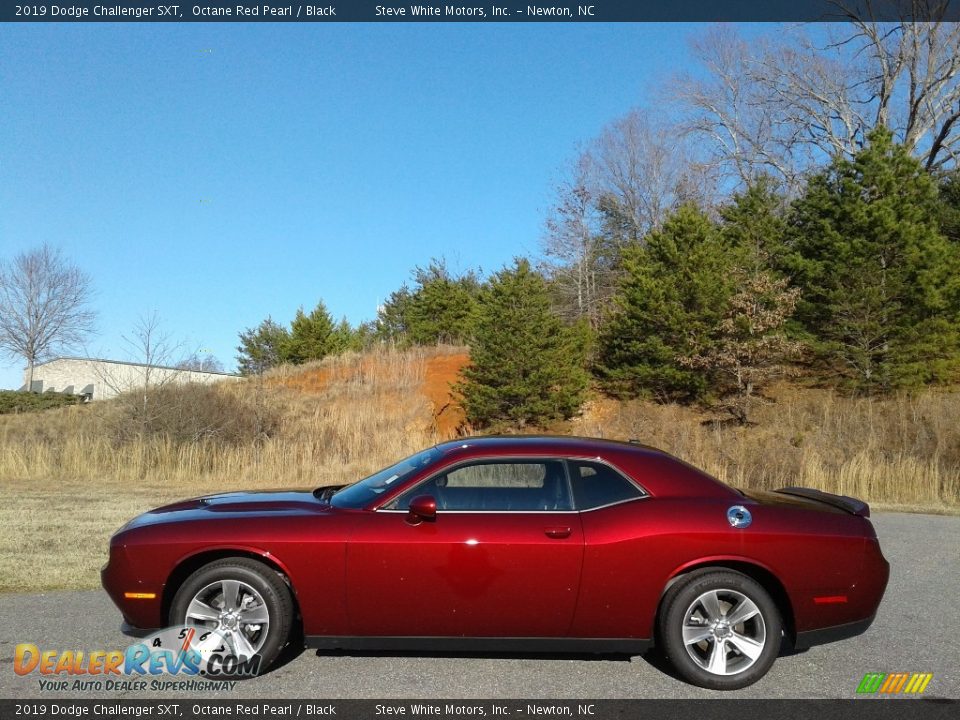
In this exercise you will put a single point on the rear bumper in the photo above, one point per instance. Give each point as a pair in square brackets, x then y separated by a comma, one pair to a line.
[826, 635]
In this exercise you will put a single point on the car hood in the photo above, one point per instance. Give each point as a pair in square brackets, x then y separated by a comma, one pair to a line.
[261, 503]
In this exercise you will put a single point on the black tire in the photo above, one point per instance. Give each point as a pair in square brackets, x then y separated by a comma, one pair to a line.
[731, 655]
[251, 576]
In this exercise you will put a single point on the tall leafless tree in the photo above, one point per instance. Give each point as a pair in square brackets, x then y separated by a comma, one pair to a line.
[155, 361]
[44, 306]
[157, 357]
[201, 361]
[642, 170]
[621, 186]
[778, 105]
[574, 249]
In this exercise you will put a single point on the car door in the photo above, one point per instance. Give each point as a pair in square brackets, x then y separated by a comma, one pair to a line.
[616, 517]
[501, 558]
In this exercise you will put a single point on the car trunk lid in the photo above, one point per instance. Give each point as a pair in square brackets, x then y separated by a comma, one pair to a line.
[810, 499]
[842, 502]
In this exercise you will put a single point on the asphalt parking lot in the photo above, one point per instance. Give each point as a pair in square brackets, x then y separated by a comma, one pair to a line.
[915, 631]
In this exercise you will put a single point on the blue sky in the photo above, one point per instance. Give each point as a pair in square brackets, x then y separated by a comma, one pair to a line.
[216, 174]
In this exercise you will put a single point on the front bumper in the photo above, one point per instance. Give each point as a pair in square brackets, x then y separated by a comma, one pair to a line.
[119, 578]
[135, 632]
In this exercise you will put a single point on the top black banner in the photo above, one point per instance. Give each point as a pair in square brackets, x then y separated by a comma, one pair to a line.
[481, 11]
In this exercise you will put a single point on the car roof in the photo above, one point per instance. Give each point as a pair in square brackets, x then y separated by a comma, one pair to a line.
[659, 472]
[560, 445]
[547, 444]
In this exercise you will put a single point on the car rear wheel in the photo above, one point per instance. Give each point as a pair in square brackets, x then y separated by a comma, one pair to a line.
[721, 630]
[244, 602]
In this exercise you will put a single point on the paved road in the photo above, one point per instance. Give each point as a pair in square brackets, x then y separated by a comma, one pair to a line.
[916, 630]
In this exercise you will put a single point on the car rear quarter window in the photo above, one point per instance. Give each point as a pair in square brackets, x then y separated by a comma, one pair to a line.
[596, 485]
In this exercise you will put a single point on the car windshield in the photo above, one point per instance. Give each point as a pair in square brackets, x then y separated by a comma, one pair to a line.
[364, 491]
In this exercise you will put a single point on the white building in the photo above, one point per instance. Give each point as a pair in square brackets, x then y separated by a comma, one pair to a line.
[101, 379]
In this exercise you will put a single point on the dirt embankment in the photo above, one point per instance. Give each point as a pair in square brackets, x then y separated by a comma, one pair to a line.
[434, 380]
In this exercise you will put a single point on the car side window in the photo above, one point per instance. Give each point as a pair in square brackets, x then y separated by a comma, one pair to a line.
[497, 486]
[596, 485]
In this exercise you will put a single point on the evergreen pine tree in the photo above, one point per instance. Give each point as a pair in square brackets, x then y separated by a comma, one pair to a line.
[261, 348]
[526, 367]
[392, 317]
[310, 336]
[439, 309]
[343, 338]
[950, 206]
[754, 221]
[880, 285]
[442, 307]
[671, 299]
[750, 346]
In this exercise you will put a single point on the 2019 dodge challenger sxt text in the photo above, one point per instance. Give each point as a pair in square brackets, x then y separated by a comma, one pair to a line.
[513, 544]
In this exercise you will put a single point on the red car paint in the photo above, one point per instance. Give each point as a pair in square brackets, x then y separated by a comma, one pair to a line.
[592, 574]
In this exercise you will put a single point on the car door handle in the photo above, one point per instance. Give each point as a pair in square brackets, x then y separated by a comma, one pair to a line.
[557, 532]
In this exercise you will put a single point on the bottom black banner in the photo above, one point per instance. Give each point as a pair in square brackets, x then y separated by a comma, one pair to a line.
[869, 709]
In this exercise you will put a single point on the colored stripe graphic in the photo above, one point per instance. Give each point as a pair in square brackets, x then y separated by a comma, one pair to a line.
[894, 683]
[871, 682]
[919, 681]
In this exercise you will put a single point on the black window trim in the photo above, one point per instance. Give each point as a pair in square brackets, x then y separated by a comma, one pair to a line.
[494, 459]
[601, 461]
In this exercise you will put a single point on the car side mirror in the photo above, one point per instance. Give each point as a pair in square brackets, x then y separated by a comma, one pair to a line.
[422, 507]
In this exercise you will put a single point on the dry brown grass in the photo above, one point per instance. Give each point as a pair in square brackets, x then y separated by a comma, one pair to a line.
[65, 484]
[67, 481]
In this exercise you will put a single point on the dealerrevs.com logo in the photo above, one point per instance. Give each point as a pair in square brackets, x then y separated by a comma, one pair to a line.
[894, 683]
[183, 652]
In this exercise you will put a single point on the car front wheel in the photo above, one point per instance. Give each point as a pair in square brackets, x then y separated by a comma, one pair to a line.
[721, 630]
[242, 601]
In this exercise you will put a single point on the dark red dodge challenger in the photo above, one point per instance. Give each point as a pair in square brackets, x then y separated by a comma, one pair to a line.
[524, 544]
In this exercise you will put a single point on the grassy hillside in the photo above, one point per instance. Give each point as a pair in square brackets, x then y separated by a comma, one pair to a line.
[70, 476]
[902, 452]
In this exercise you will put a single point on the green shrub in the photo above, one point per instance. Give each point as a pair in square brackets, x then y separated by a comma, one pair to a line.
[15, 401]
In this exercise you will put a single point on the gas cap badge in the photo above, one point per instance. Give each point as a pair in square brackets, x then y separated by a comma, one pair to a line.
[739, 517]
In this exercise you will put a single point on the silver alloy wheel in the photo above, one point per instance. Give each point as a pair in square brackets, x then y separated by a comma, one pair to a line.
[235, 610]
[724, 632]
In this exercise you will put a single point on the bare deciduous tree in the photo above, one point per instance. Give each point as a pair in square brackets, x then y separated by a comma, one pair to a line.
[729, 109]
[155, 357]
[153, 363]
[201, 361]
[623, 184]
[642, 170]
[777, 105]
[44, 306]
[574, 250]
